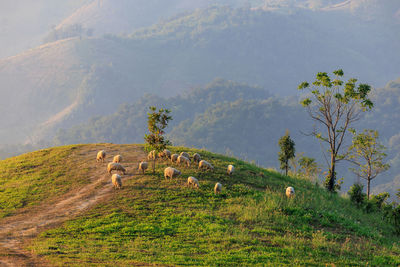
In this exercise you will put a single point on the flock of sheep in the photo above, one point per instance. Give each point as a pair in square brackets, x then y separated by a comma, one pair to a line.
[169, 172]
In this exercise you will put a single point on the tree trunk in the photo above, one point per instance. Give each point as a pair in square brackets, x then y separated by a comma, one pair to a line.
[368, 186]
[332, 174]
[286, 168]
[154, 166]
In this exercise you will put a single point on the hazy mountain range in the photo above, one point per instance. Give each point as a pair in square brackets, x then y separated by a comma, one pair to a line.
[84, 59]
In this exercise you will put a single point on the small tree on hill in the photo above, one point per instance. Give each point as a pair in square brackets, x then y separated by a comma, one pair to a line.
[367, 154]
[309, 167]
[335, 107]
[157, 121]
[287, 151]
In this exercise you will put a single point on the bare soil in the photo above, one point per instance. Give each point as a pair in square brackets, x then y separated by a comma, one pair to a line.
[16, 231]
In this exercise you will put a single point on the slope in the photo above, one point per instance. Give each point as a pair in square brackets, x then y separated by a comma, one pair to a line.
[39, 191]
[157, 221]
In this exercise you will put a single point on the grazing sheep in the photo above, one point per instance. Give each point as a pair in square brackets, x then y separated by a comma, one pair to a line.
[165, 154]
[116, 181]
[290, 192]
[143, 166]
[217, 188]
[196, 157]
[152, 155]
[174, 157]
[112, 166]
[206, 165]
[171, 173]
[193, 182]
[230, 170]
[185, 160]
[101, 155]
[117, 159]
[185, 155]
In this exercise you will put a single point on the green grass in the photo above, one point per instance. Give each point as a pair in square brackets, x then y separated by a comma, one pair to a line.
[30, 179]
[152, 220]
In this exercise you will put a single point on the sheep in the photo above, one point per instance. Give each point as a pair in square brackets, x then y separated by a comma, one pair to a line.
[217, 188]
[185, 155]
[101, 155]
[206, 165]
[116, 181]
[112, 166]
[152, 155]
[185, 160]
[171, 173]
[193, 182]
[174, 157]
[143, 166]
[230, 170]
[117, 159]
[290, 192]
[196, 157]
[165, 154]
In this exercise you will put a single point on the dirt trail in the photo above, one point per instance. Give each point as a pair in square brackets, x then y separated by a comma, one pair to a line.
[15, 231]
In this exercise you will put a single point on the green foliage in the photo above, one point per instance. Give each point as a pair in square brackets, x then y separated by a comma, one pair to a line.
[157, 121]
[367, 154]
[309, 167]
[287, 152]
[335, 108]
[356, 194]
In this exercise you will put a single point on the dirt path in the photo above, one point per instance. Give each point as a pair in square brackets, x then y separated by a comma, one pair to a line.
[17, 230]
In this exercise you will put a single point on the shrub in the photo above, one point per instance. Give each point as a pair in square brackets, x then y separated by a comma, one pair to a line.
[356, 194]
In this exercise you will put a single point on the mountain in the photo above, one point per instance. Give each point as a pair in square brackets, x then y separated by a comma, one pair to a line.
[24, 23]
[53, 219]
[63, 83]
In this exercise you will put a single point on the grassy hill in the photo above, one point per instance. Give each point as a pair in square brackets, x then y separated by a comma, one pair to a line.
[156, 221]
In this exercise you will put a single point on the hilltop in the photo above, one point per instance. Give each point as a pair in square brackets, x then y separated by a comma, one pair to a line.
[156, 221]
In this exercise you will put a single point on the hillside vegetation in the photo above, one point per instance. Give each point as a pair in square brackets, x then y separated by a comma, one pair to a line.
[158, 221]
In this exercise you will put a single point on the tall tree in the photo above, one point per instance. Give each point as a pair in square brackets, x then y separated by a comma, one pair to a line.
[335, 107]
[157, 121]
[367, 154]
[287, 151]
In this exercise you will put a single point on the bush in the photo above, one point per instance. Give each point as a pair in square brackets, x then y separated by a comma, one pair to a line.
[356, 194]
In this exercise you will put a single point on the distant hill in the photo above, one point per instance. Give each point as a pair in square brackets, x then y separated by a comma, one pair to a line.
[66, 82]
[59, 208]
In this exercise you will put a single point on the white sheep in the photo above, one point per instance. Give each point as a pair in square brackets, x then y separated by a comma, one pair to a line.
[174, 157]
[112, 166]
[116, 181]
[193, 182]
[171, 173]
[217, 188]
[205, 165]
[230, 169]
[152, 155]
[184, 160]
[117, 159]
[101, 156]
[196, 157]
[185, 155]
[165, 154]
[290, 192]
[143, 166]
